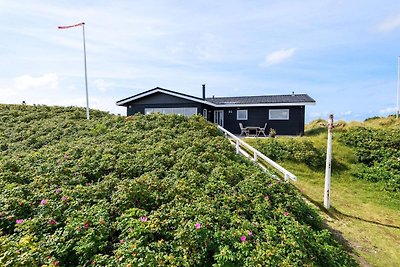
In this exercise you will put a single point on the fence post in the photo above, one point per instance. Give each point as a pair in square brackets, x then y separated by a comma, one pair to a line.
[237, 146]
[255, 156]
[327, 188]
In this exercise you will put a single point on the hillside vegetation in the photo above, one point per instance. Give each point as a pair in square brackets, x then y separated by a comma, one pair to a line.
[149, 190]
[365, 196]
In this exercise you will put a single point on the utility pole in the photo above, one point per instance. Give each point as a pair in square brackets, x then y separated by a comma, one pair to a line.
[327, 188]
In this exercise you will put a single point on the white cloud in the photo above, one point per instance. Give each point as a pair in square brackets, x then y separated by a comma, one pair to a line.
[389, 24]
[27, 82]
[388, 110]
[346, 113]
[102, 85]
[278, 56]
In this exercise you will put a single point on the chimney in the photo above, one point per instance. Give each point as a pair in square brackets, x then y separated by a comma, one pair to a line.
[204, 92]
[292, 93]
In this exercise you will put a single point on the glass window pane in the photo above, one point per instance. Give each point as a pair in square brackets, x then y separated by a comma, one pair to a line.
[148, 110]
[242, 115]
[167, 111]
[159, 110]
[178, 111]
[279, 114]
[190, 111]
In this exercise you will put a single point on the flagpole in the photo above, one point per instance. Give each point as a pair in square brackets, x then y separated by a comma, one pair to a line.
[86, 83]
[84, 58]
[398, 87]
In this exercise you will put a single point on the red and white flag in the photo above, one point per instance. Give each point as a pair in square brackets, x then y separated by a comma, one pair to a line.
[76, 25]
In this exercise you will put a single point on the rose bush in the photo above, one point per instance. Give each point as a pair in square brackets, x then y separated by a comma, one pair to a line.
[148, 190]
[379, 152]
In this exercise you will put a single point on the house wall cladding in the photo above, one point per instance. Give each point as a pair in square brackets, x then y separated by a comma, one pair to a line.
[258, 116]
[160, 100]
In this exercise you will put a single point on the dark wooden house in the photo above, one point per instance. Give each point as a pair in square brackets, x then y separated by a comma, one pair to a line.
[284, 113]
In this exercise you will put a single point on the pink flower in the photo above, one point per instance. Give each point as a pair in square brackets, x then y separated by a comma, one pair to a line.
[243, 238]
[130, 229]
[266, 197]
[43, 202]
[19, 221]
[271, 184]
[58, 190]
[65, 156]
[143, 219]
[250, 233]
[121, 241]
[286, 213]
[53, 222]
[197, 225]
[86, 225]
[64, 198]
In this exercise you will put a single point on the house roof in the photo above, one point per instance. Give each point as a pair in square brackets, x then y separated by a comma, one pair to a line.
[124, 101]
[263, 99]
[240, 101]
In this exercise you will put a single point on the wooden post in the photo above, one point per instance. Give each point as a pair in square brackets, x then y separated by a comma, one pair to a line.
[327, 189]
[398, 88]
[255, 156]
[237, 147]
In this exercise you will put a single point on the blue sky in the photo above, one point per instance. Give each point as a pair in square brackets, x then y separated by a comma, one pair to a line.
[341, 53]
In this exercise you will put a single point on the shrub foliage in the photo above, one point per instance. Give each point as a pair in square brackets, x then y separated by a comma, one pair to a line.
[379, 151]
[294, 149]
[144, 191]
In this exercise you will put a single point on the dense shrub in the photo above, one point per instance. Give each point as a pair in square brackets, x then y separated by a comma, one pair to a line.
[144, 191]
[379, 151]
[294, 149]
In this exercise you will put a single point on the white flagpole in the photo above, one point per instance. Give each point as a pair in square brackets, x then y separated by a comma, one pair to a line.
[86, 83]
[398, 87]
[84, 58]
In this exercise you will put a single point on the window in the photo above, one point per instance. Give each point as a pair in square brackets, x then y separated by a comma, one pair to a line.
[205, 113]
[242, 115]
[279, 114]
[189, 111]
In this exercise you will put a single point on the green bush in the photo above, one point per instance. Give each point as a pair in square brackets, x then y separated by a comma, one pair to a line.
[379, 151]
[148, 190]
[272, 148]
[294, 149]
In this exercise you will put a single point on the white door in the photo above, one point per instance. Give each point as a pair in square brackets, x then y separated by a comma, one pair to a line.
[219, 117]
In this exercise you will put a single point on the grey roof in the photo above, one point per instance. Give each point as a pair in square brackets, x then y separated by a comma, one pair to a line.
[293, 99]
[263, 99]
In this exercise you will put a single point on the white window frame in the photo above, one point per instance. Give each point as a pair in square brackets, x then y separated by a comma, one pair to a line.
[273, 114]
[245, 117]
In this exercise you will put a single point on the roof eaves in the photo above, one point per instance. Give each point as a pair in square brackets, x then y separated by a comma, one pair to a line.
[162, 90]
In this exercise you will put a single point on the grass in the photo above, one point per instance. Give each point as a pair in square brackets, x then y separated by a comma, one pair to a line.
[362, 216]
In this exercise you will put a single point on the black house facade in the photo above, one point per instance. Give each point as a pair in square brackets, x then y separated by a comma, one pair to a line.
[284, 113]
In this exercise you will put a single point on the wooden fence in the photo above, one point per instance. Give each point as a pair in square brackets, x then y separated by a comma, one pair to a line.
[258, 157]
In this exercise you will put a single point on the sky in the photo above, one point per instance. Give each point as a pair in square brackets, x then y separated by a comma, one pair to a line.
[341, 53]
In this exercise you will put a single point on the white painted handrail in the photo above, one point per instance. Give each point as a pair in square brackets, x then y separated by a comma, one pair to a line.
[258, 155]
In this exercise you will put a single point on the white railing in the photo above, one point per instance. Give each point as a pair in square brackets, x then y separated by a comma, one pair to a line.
[257, 155]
